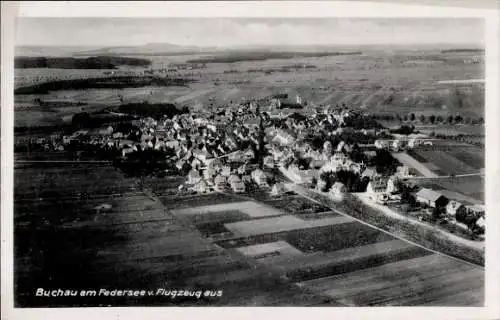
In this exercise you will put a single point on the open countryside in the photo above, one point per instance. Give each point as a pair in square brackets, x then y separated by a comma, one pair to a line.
[332, 176]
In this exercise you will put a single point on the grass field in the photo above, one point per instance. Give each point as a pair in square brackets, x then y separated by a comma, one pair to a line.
[250, 208]
[375, 81]
[412, 281]
[470, 186]
[280, 224]
[443, 161]
[412, 161]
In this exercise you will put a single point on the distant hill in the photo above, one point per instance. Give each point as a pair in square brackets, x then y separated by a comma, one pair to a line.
[48, 51]
[147, 49]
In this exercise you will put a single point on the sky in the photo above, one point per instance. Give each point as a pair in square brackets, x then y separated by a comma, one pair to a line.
[225, 32]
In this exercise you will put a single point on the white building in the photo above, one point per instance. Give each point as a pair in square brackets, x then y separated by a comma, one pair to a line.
[392, 185]
[201, 187]
[381, 144]
[338, 189]
[259, 177]
[376, 188]
[237, 186]
[194, 176]
[269, 161]
[454, 207]
[278, 189]
[220, 183]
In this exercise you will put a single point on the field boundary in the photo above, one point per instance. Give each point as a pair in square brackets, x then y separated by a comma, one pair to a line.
[300, 191]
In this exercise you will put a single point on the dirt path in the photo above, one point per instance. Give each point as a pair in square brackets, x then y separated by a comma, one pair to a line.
[393, 214]
[413, 163]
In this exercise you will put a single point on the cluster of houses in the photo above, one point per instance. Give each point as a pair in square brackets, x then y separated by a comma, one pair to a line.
[402, 142]
[218, 150]
[453, 208]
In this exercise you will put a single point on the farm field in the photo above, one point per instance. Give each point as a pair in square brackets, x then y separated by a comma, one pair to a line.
[444, 158]
[411, 162]
[279, 224]
[250, 208]
[137, 243]
[140, 240]
[420, 280]
[376, 81]
[469, 186]
[442, 162]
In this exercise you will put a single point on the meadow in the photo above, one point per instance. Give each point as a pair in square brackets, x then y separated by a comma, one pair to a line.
[377, 81]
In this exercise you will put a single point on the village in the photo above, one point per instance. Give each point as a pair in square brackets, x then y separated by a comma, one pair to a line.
[262, 144]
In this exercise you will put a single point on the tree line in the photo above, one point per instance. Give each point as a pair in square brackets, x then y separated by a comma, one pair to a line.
[432, 119]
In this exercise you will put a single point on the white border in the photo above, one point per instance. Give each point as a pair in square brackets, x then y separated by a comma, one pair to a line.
[253, 9]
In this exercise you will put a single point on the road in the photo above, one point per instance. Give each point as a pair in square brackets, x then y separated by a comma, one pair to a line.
[305, 193]
[449, 176]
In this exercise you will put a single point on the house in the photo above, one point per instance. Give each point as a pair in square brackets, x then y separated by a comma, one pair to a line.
[376, 187]
[338, 157]
[220, 183]
[242, 169]
[246, 178]
[412, 143]
[396, 144]
[233, 178]
[392, 185]
[300, 176]
[269, 161]
[196, 163]
[355, 167]
[194, 176]
[321, 185]
[225, 171]
[338, 188]
[402, 171]
[259, 177]
[480, 222]
[340, 146]
[209, 172]
[278, 189]
[477, 210]
[381, 144]
[454, 207]
[67, 139]
[236, 156]
[201, 187]
[317, 164]
[180, 164]
[237, 186]
[127, 150]
[370, 153]
[431, 198]
[369, 173]
[248, 155]
[117, 135]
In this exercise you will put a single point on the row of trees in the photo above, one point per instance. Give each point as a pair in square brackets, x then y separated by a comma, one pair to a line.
[432, 119]
[353, 181]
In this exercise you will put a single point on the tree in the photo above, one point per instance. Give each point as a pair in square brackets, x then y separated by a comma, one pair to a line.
[436, 214]
[412, 117]
[81, 120]
[432, 119]
[450, 119]
[440, 119]
[422, 118]
[458, 118]
[405, 118]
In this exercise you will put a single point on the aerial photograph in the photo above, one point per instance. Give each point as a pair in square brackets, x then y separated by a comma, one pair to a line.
[289, 162]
